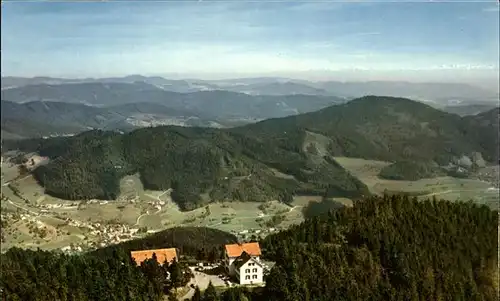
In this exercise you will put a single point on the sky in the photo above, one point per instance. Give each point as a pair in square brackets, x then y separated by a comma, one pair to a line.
[353, 40]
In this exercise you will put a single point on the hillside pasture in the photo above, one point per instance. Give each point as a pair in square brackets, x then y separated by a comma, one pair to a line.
[10, 171]
[226, 216]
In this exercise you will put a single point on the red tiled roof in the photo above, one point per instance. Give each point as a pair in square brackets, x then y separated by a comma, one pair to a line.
[235, 250]
[162, 255]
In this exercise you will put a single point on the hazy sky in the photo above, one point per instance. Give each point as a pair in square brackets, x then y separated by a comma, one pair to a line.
[436, 41]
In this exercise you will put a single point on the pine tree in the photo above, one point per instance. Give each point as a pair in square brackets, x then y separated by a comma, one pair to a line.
[176, 276]
[210, 293]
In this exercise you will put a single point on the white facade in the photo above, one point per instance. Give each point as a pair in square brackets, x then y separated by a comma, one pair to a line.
[251, 272]
[230, 266]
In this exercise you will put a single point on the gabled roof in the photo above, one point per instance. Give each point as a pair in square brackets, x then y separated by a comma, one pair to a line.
[235, 250]
[162, 255]
[244, 258]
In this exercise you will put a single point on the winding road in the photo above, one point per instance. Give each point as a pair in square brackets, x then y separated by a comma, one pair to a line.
[147, 213]
[21, 207]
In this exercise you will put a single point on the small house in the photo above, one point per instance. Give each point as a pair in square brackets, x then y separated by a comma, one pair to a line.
[243, 262]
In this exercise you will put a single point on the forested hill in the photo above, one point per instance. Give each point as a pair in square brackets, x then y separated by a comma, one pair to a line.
[487, 124]
[389, 249]
[391, 129]
[276, 158]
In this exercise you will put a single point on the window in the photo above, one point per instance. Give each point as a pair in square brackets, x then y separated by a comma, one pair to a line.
[247, 271]
[254, 270]
[254, 276]
[247, 277]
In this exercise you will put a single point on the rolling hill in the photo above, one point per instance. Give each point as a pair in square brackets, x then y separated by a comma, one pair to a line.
[217, 104]
[24, 128]
[35, 119]
[387, 128]
[48, 118]
[272, 159]
[487, 125]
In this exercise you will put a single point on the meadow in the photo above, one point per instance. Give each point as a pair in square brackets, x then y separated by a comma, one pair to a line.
[447, 188]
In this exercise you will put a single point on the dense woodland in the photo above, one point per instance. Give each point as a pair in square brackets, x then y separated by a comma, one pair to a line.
[411, 170]
[273, 159]
[390, 248]
[41, 275]
[198, 243]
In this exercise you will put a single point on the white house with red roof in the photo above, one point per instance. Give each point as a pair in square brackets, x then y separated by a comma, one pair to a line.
[243, 262]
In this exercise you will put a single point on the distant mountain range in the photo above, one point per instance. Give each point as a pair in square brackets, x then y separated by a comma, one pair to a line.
[213, 104]
[439, 93]
[470, 109]
[72, 108]
[271, 159]
[44, 106]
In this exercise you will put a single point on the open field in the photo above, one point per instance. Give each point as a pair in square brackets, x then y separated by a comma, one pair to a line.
[448, 188]
[9, 172]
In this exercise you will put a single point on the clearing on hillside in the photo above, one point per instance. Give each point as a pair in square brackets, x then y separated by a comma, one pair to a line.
[447, 188]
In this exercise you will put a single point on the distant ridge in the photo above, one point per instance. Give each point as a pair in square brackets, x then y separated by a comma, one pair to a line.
[441, 93]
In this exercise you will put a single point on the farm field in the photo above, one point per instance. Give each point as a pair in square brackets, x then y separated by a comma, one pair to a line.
[9, 172]
[447, 188]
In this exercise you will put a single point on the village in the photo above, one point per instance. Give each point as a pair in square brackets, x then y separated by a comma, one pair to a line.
[93, 234]
[32, 219]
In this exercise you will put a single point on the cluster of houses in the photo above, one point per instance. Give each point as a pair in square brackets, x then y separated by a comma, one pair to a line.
[241, 261]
